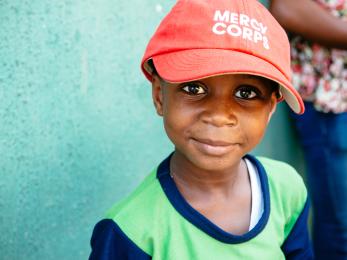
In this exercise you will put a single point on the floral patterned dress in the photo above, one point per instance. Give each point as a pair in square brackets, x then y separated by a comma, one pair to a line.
[320, 74]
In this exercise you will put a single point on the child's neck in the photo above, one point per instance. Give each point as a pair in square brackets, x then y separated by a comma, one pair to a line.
[191, 179]
[223, 197]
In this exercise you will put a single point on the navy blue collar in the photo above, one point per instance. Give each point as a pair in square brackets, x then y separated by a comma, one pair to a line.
[188, 212]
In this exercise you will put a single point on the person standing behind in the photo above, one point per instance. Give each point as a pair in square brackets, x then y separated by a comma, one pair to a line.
[318, 33]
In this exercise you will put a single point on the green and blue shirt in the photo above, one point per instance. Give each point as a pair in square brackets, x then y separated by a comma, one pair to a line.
[156, 222]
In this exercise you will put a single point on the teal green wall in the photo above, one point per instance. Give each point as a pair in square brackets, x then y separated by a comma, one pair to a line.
[77, 127]
[266, 2]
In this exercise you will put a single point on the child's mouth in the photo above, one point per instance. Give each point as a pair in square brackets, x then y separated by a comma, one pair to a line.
[213, 147]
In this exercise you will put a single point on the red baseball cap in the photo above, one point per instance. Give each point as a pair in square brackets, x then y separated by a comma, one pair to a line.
[203, 38]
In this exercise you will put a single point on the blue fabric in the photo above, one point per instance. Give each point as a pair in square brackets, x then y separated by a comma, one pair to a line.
[324, 139]
[108, 242]
[297, 245]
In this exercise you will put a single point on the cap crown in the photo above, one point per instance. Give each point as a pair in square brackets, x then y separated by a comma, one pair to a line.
[239, 25]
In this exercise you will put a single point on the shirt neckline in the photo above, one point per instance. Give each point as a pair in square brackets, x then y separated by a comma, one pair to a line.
[257, 197]
[197, 219]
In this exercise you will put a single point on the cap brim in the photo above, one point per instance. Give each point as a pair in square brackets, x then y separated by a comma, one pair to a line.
[189, 65]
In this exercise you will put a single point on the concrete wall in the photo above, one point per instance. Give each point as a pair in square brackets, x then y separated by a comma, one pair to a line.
[77, 126]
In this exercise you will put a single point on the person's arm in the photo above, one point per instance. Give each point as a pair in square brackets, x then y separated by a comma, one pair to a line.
[108, 242]
[308, 19]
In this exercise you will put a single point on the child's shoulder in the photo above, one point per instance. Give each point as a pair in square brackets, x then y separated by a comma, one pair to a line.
[282, 174]
[287, 189]
[145, 196]
[136, 216]
[131, 222]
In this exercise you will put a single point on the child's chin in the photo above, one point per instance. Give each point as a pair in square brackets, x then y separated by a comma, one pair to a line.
[217, 163]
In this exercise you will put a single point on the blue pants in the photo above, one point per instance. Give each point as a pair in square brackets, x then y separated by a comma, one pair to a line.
[324, 140]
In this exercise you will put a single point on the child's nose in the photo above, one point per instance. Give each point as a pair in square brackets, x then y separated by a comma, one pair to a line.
[219, 113]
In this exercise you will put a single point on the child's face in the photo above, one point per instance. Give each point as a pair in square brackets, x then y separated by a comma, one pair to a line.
[215, 121]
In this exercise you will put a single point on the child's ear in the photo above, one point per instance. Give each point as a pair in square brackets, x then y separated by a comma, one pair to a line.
[274, 100]
[157, 95]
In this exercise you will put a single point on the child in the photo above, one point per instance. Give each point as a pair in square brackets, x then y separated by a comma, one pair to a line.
[218, 68]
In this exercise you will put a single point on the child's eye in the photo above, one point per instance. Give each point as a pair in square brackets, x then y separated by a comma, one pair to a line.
[194, 89]
[246, 93]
